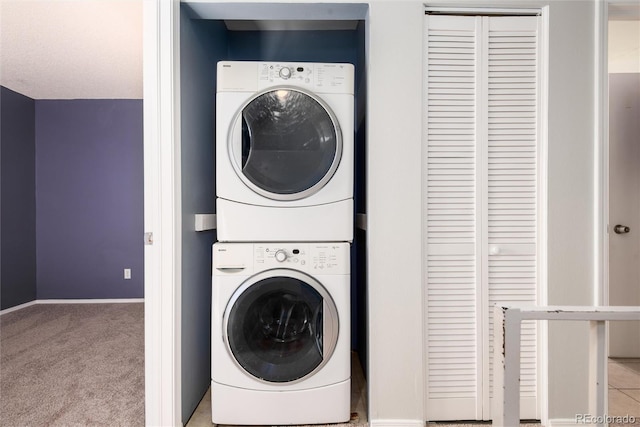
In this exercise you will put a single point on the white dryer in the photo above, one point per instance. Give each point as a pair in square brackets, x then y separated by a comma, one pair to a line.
[280, 333]
[284, 151]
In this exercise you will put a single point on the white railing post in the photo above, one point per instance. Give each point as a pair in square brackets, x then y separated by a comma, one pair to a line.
[506, 362]
[498, 366]
[597, 370]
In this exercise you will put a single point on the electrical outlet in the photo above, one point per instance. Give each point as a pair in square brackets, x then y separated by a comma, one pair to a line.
[127, 273]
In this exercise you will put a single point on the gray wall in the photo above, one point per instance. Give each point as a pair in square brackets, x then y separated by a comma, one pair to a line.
[18, 202]
[89, 192]
[202, 45]
[571, 251]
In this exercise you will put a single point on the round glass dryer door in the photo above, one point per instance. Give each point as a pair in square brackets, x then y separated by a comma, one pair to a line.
[281, 326]
[286, 143]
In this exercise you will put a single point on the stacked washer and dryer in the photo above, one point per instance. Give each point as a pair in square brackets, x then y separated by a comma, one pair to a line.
[281, 268]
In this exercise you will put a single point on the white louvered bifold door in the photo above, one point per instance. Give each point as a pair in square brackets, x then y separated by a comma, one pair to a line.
[481, 205]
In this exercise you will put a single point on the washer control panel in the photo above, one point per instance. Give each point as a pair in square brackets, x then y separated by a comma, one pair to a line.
[316, 258]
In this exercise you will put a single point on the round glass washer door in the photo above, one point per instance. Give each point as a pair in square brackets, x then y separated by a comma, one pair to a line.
[285, 143]
[281, 326]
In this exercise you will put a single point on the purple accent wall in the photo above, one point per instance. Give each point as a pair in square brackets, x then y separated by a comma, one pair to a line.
[17, 199]
[89, 192]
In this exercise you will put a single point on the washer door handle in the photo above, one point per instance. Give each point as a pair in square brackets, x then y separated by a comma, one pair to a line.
[230, 269]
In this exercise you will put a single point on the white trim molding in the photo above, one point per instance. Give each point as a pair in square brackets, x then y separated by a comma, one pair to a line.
[601, 158]
[18, 307]
[485, 11]
[162, 215]
[73, 301]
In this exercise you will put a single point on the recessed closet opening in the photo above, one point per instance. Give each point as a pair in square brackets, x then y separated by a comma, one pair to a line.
[271, 32]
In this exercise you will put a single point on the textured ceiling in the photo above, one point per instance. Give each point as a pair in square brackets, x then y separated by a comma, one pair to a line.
[72, 49]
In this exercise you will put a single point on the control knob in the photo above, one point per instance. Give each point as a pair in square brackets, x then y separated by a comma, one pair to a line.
[281, 256]
[285, 72]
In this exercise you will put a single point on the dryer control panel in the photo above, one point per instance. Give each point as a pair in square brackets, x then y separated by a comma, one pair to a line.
[312, 258]
[254, 76]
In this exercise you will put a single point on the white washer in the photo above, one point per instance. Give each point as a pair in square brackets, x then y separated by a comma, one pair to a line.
[280, 333]
[284, 151]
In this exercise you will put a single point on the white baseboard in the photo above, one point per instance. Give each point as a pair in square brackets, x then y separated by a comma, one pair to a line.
[90, 301]
[73, 301]
[17, 307]
[396, 423]
[565, 422]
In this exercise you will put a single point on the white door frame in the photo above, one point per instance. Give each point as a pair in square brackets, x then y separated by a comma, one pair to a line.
[161, 214]
[601, 166]
[601, 158]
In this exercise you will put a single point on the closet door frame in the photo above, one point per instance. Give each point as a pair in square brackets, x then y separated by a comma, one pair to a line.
[542, 206]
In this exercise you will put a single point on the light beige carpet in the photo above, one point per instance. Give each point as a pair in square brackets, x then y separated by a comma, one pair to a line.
[72, 365]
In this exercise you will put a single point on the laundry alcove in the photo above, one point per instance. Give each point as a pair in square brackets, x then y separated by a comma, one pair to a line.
[211, 32]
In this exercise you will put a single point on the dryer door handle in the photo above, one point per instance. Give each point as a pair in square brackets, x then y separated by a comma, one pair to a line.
[245, 141]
